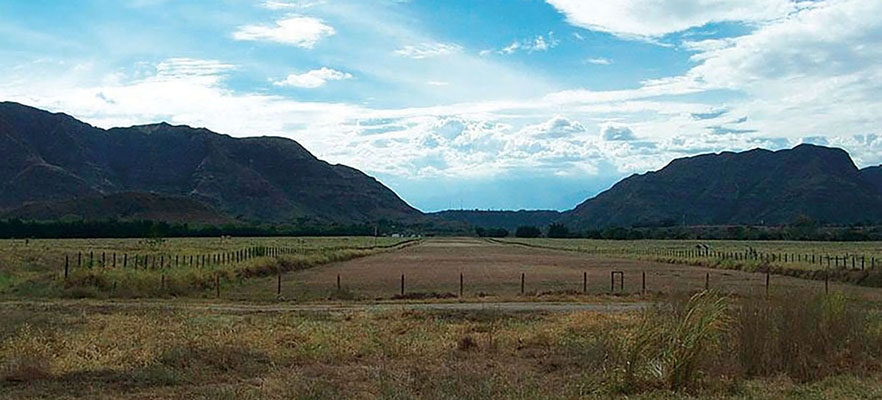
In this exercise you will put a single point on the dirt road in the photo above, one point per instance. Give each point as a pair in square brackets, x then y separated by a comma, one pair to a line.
[240, 308]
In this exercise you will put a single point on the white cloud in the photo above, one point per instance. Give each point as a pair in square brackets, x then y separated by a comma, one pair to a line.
[428, 50]
[815, 72]
[296, 30]
[612, 132]
[599, 61]
[656, 18]
[556, 128]
[313, 79]
[539, 43]
[290, 4]
[209, 71]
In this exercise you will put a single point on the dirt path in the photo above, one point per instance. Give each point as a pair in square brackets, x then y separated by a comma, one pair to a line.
[116, 306]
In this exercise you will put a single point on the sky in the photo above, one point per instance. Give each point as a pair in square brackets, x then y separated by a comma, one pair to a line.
[490, 104]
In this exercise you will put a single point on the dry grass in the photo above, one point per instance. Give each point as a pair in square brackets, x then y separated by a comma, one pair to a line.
[851, 262]
[641, 249]
[36, 269]
[88, 351]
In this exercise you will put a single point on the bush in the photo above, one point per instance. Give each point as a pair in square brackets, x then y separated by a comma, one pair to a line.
[491, 232]
[528, 232]
[558, 231]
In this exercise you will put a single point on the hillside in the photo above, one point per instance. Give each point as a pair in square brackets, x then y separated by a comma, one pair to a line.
[54, 157]
[874, 176]
[508, 220]
[754, 187]
[123, 206]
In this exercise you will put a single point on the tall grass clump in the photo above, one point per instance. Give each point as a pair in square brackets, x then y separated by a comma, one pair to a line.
[802, 337]
[805, 337]
[673, 340]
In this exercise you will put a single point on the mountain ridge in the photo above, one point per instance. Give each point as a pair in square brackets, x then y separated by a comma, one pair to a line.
[55, 157]
[754, 187]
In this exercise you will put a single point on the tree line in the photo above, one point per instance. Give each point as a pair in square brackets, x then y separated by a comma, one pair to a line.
[15, 228]
[798, 232]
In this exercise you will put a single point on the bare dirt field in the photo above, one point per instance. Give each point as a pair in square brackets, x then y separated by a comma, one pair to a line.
[494, 270]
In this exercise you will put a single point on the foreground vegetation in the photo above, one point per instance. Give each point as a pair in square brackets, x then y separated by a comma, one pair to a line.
[699, 346]
[36, 268]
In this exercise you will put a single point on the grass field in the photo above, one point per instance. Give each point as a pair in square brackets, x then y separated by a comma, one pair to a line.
[865, 250]
[128, 267]
[92, 350]
[676, 340]
[855, 262]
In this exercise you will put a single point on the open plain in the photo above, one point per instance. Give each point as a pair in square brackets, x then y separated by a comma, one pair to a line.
[559, 337]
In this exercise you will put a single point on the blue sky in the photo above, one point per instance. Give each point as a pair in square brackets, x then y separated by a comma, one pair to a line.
[476, 104]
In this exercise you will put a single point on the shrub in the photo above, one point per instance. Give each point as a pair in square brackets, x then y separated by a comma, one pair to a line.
[558, 231]
[491, 232]
[528, 232]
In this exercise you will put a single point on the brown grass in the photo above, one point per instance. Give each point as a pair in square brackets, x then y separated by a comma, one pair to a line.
[88, 351]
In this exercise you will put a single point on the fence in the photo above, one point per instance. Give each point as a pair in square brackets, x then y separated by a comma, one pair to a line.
[161, 261]
[846, 261]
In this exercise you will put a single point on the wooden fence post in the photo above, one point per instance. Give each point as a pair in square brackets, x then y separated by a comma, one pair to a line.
[523, 279]
[826, 281]
[339, 287]
[643, 288]
[217, 284]
[66, 265]
[767, 283]
[279, 283]
[707, 281]
[402, 284]
[461, 285]
[584, 282]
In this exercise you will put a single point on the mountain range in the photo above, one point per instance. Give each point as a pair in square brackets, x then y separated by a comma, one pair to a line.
[756, 187]
[56, 167]
[508, 220]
